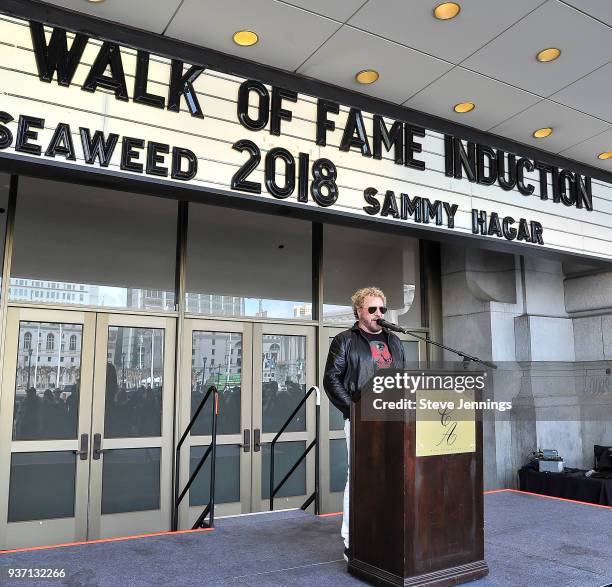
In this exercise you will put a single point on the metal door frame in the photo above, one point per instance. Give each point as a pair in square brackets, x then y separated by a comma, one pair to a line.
[188, 514]
[41, 532]
[140, 522]
[88, 522]
[259, 330]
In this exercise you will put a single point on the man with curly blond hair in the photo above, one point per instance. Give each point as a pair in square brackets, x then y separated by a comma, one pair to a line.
[354, 357]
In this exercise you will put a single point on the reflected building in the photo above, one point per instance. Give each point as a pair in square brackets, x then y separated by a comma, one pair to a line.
[50, 292]
[49, 356]
[214, 304]
[150, 299]
[283, 359]
[216, 359]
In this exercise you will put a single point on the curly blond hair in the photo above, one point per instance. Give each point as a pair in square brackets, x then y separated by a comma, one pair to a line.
[361, 294]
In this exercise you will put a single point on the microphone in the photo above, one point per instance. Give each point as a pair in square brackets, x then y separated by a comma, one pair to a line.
[389, 325]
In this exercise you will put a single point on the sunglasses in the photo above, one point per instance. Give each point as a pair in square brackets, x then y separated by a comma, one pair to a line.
[373, 309]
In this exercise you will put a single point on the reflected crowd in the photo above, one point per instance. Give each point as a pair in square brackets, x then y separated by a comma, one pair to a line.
[50, 416]
[131, 411]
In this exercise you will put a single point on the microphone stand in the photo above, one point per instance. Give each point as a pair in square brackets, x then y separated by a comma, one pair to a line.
[467, 359]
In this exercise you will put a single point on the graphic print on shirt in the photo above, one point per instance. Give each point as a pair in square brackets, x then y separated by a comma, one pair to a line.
[381, 354]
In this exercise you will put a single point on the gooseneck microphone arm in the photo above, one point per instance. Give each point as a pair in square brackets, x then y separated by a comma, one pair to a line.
[466, 358]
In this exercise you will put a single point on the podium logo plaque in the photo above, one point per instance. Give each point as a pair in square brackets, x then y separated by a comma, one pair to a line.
[445, 425]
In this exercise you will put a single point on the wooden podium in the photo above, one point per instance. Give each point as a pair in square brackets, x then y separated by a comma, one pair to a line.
[413, 520]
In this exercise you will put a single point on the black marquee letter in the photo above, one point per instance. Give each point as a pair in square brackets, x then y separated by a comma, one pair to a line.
[412, 147]
[544, 171]
[61, 143]
[129, 155]
[567, 187]
[263, 105]
[464, 160]
[108, 56]
[411, 207]
[509, 231]
[506, 184]
[278, 112]
[483, 152]
[140, 83]
[155, 155]
[584, 195]
[323, 123]
[56, 56]
[390, 205]
[522, 165]
[449, 156]
[98, 147]
[431, 210]
[178, 154]
[6, 136]
[182, 83]
[369, 195]
[354, 123]
[24, 134]
[393, 139]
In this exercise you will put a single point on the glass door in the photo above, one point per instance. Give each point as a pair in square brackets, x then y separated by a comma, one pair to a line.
[131, 433]
[86, 426]
[217, 353]
[261, 371]
[45, 426]
[283, 371]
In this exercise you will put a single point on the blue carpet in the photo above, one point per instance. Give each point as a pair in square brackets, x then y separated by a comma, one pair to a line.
[529, 540]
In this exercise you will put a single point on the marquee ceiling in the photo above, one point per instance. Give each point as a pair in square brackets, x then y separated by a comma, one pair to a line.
[485, 55]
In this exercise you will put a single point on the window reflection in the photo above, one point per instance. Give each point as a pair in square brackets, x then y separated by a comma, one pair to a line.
[134, 382]
[216, 359]
[284, 381]
[47, 382]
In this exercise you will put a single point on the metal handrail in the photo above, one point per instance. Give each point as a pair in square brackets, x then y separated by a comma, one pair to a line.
[315, 443]
[211, 450]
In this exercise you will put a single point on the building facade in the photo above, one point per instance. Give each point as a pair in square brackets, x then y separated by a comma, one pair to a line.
[175, 219]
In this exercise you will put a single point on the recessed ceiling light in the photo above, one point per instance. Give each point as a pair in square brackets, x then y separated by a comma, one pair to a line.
[245, 38]
[367, 76]
[447, 10]
[542, 133]
[95, 1]
[550, 54]
[605, 155]
[463, 107]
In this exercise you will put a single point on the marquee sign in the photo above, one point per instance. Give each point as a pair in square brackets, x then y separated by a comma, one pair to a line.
[95, 104]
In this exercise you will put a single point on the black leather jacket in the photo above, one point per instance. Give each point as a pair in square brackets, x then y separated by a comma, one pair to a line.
[349, 366]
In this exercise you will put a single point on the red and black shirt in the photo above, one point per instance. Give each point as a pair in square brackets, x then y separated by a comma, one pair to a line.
[381, 355]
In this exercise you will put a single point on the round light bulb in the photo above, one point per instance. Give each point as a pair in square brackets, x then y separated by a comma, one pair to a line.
[542, 133]
[245, 38]
[546, 55]
[367, 76]
[447, 10]
[464, 107]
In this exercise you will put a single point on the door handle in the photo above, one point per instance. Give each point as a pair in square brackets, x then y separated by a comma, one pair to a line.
[97, 446]
[83, 451]
[246, 445]
[256, 440]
